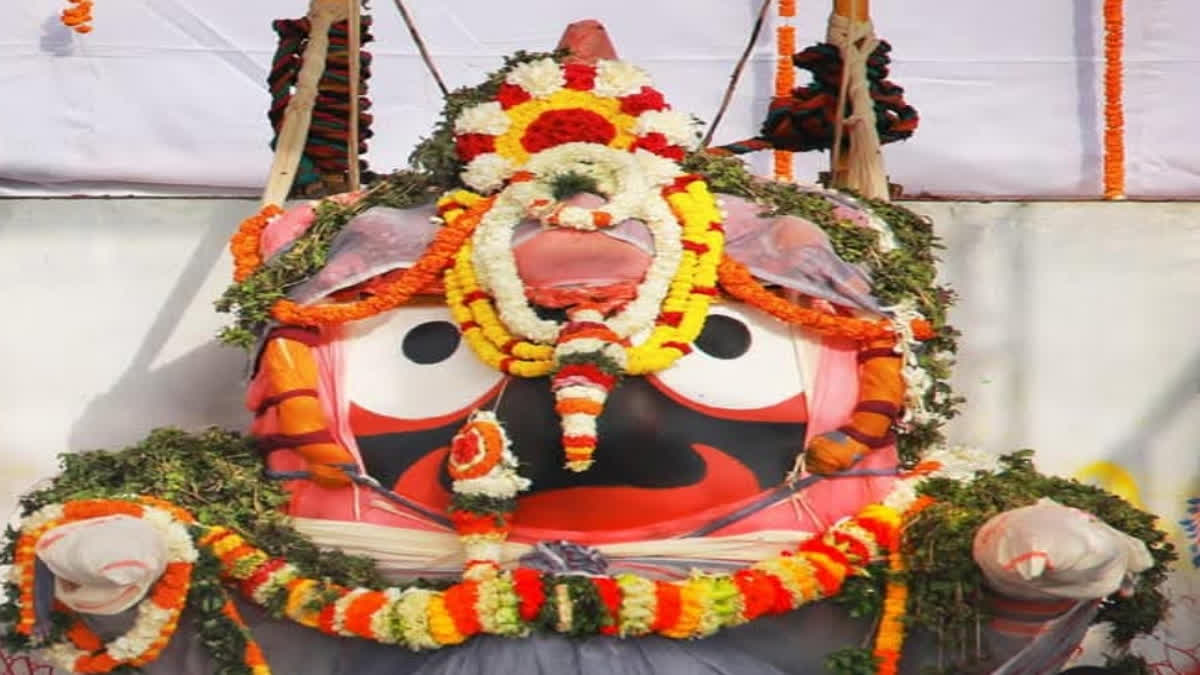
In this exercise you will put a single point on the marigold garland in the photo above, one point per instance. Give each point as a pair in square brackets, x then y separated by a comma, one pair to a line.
[78, 17]
[737, 280]
[485, 486]
[1114, 112]
[412, 281]
[889, 637]
[681, 316]
[245, 245]
[507, 603]
[785, 80]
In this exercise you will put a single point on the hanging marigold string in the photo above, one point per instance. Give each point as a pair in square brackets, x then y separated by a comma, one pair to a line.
[889, 637]
[244, 245]
[1114, 112]
[785, 78]
[78, 16]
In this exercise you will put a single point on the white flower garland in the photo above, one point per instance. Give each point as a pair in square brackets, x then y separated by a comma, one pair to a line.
[487, 172]
[495, 263]
[918, 382]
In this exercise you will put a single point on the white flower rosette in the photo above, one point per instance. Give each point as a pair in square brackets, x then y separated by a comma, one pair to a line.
[619, 78]
[540, 78]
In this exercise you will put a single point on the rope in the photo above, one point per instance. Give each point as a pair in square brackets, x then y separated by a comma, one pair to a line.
[806, 120]
[864, 166]
[327, 149]
[1114, 110]
[785, 79]
[737, 72]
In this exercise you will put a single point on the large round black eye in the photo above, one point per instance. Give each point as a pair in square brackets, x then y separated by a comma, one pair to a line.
[723, 337]
[431, 342]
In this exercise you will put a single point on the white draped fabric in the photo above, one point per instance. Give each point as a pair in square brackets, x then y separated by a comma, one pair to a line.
[168, 96]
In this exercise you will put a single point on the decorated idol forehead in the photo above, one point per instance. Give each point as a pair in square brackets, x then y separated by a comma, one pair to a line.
[544, 104]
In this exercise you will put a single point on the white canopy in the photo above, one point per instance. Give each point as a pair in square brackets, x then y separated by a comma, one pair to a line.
[170, 96]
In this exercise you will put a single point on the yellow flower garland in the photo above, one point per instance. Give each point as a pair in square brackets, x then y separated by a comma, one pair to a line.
[691, 293]
[696, 208]
[482, 329]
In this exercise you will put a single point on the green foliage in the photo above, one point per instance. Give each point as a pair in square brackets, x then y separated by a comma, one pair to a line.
[909, 272]
[564, 185]
[250, 300]
[1128, 664]
[862, 596]
[435, 156]
[851, 661]
[945, 584]
[215, 474]
[483, 504]
[588, 612]
[224, 639]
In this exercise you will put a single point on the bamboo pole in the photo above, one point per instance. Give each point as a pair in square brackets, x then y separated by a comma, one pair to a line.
[297, 117]
[839, 164]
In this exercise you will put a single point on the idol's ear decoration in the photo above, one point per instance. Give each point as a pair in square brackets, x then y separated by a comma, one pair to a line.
[795, 254]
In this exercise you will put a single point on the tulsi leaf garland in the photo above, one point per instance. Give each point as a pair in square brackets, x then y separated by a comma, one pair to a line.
[946, 585]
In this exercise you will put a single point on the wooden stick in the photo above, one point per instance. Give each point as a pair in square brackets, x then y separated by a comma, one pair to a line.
[353, 52]
[412, 29]
[737, 73]
[837, 172]
[852, 8]
[297, 117]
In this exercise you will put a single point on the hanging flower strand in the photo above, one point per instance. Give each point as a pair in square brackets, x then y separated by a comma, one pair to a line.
[1114, 110]
[78, 16]
[785, 78]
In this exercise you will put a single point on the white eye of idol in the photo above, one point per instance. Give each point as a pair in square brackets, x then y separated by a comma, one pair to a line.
[744, 359]
[412, 363]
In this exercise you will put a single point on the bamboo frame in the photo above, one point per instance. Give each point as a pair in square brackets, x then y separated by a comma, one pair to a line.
[297, 117]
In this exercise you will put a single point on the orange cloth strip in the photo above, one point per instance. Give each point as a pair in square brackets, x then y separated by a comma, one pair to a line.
[289, 365]
[880, 382]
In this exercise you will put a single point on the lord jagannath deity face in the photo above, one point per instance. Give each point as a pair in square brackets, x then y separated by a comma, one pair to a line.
[595, 336]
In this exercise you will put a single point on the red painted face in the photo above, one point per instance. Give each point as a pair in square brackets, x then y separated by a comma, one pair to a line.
[721, 426]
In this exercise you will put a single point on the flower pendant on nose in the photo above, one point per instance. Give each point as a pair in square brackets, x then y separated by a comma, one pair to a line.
[589, 357]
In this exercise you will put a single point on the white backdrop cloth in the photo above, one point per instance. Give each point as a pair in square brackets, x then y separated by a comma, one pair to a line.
[169, 96]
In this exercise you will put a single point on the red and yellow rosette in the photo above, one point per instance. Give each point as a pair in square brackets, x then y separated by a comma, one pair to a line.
[485, 485]
[543, 103]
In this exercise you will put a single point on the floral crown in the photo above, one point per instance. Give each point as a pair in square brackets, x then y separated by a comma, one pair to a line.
[542, 104]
